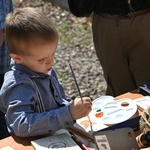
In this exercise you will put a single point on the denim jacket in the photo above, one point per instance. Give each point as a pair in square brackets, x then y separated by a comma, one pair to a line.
[6, 7]
[19, 100]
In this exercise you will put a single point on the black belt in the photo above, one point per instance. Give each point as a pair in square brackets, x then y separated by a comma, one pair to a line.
[117, 17]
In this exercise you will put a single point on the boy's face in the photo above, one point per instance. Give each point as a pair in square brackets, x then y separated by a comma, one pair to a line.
[40, 59]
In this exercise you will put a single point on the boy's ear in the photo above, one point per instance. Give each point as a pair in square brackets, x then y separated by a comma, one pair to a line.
[16, 58]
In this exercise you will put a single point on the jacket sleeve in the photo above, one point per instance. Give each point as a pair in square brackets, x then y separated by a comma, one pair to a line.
[19, 102]
[81, 8]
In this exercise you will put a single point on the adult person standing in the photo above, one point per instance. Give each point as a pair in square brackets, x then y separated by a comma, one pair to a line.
[6, 6]
[121, 36]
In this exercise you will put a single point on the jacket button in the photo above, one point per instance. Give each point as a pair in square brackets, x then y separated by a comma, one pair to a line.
[67, 123]
[50, 131]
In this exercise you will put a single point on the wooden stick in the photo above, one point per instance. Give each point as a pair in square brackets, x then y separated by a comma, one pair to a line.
[75, 81]
[80, 93]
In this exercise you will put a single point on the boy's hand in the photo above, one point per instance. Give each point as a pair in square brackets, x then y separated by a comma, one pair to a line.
[80, 108]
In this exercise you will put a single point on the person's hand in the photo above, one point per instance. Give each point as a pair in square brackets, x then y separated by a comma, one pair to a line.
[80, 107]
[1, 37]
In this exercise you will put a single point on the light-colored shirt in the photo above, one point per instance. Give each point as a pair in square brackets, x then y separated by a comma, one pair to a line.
[19, 100]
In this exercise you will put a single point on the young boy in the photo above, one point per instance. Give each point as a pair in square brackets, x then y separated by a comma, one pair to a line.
[31, 96]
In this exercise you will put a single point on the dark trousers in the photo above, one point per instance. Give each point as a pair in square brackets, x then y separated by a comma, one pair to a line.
[3, 129]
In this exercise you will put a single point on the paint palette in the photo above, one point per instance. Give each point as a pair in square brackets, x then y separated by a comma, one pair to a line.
[106, 111]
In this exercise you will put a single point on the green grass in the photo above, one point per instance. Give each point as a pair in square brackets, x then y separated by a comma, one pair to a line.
[70, 32]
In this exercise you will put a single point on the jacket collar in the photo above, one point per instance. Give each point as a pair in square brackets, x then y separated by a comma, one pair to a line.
[30, 73]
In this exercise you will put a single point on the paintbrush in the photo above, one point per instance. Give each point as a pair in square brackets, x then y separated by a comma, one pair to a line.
[79, 93]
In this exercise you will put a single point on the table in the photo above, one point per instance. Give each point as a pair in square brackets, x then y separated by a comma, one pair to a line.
[19, 143]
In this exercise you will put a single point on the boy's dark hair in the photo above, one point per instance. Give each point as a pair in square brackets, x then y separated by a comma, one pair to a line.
[27, 27]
